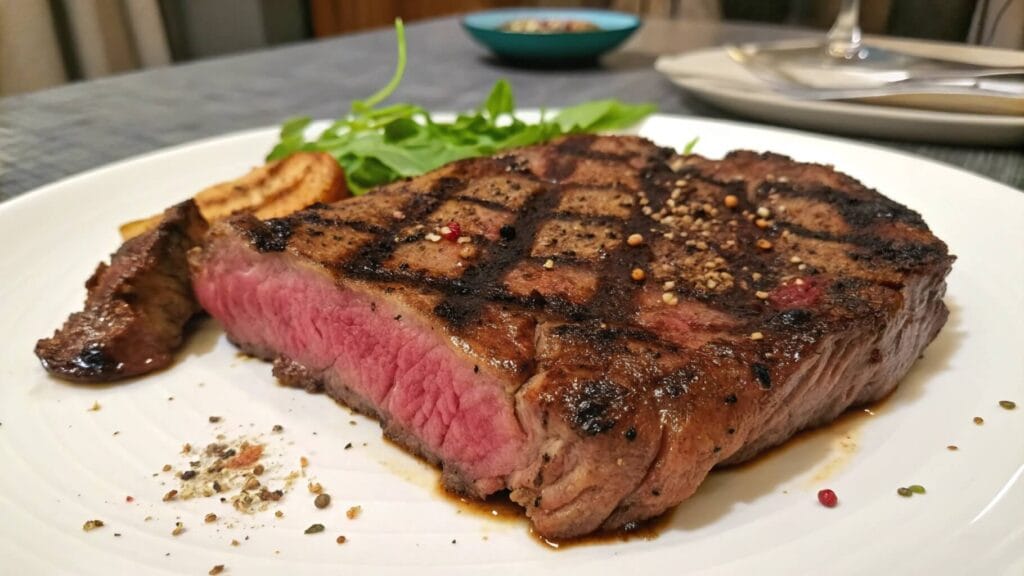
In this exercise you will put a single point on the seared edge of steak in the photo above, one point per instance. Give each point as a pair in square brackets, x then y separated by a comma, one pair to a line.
[135, 309]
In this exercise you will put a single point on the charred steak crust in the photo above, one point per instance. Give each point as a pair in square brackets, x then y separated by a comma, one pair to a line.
[774, 295]
[136, 307]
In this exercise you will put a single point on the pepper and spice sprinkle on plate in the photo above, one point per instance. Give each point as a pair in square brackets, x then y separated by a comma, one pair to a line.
[91, 525]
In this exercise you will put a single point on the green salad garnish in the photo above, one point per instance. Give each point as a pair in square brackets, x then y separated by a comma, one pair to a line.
[379, 144]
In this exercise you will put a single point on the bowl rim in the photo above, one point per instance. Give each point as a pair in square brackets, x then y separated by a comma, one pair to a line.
[629, 21]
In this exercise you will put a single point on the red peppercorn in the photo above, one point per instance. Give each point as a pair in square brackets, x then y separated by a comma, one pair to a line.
[828, 498]
[793, 295]
[129, 499]
[454, 231]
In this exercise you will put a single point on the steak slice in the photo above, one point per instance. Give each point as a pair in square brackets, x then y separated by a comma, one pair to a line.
[136, 308]
[592, 324]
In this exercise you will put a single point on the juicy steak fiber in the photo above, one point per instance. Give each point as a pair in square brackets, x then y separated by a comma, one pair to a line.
[598, 401]
[136, 308]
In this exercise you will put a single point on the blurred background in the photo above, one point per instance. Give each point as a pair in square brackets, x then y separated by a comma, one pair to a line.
[46, 43]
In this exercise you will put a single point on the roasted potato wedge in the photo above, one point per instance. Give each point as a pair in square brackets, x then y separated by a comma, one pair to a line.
[270, 191]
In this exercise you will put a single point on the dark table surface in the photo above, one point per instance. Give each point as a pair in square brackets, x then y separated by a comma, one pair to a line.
[45, 136]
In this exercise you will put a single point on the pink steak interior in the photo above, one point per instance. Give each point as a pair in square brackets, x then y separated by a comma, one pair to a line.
[403, 367]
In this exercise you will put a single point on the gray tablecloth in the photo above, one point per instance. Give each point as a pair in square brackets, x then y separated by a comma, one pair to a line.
[48, 135]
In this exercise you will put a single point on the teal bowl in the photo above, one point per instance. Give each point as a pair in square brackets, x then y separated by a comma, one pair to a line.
[550, 49]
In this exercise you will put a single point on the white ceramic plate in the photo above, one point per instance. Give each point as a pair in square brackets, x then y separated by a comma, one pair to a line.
[61, 464]
[713, 77]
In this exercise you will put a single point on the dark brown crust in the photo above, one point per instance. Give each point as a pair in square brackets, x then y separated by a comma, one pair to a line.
[136, 308]
[632, 391]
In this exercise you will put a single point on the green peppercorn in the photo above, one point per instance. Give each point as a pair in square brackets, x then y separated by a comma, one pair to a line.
[905, 492]
[1008, 404]
[315, 528]
[916, 488]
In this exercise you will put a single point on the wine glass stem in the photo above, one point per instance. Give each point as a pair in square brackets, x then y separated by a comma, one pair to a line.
[844, 37]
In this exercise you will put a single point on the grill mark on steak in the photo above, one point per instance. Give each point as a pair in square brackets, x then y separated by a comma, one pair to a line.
[626, 401]
[465, 301]
[616, 285]
[872, 248]
[368, 262]
[311, 216]
[272, 236]
[463, 296]
[593, 406]
[460, 306]
[855, 211]
[481, 202]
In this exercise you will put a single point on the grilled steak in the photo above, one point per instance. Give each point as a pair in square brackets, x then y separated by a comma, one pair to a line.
[136, 307]
[592, 324]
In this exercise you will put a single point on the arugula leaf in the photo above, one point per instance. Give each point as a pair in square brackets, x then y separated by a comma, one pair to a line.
[294, 127]
[292, 137]
[500, 100]
[401, 129]
[691, 145]
[401, 161]
[580, 117]
[360, 106]
[622, 116]
[601, 115]
[379, 144]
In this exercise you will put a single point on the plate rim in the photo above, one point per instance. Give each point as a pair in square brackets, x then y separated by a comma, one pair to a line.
[216, 138]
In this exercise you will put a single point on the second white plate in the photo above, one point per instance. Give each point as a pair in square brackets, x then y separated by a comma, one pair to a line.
[713, 77]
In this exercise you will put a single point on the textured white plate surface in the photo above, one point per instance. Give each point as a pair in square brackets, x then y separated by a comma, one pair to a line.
[713, 77]
[61, 464]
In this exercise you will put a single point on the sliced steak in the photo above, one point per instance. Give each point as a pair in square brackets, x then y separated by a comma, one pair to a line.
[136, 308]
[499, 317]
